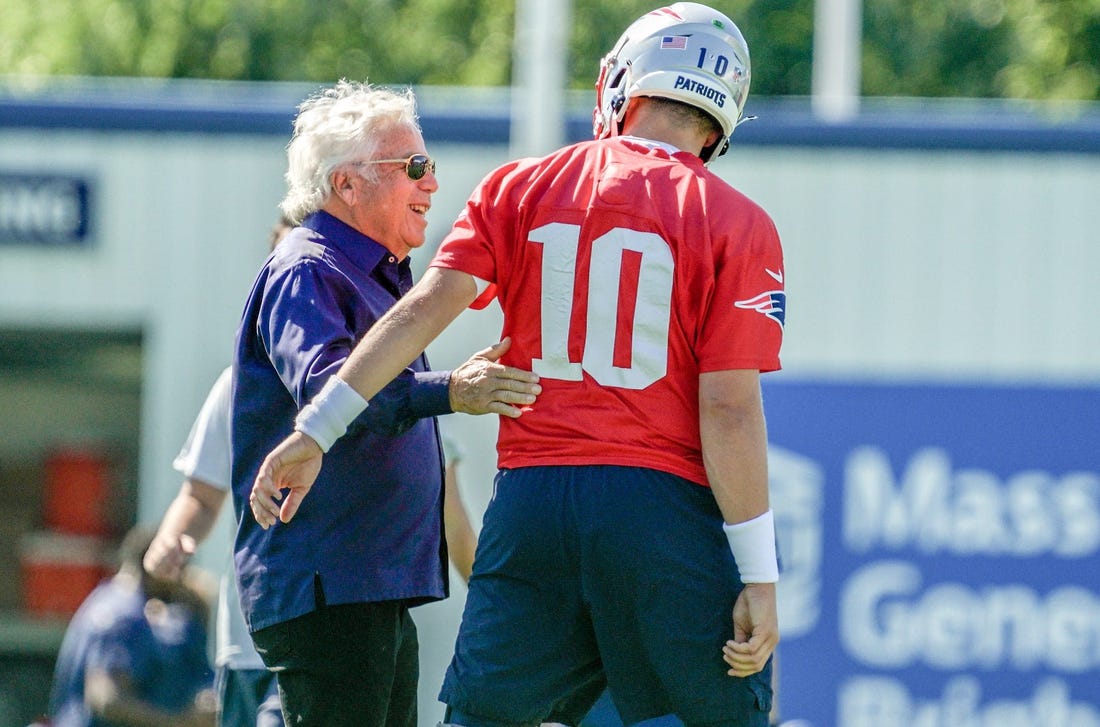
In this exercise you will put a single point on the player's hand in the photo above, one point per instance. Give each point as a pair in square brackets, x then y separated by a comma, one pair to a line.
[483, 386]
[168, 554]
[755, 630]
[292, 466]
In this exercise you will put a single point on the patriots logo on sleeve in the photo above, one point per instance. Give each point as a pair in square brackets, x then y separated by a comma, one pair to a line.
[772, 304]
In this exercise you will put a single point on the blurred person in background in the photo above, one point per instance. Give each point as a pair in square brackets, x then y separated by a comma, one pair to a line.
[247, 693]
[135, 652]
[461, 538]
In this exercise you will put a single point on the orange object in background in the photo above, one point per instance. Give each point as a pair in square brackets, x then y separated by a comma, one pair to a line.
[77, 492]
[59, 571]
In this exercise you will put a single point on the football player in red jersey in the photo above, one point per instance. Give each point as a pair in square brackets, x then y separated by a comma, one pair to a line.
[629, 539]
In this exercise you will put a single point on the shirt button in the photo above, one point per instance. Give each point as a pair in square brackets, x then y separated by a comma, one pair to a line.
[393, 259]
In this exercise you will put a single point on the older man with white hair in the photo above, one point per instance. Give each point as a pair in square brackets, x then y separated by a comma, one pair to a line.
[327, 599]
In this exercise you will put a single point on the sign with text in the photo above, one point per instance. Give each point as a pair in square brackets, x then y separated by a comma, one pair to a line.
[941, 551]
[44, 209]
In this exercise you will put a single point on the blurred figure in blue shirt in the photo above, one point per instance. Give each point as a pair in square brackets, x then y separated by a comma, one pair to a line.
[135, 652]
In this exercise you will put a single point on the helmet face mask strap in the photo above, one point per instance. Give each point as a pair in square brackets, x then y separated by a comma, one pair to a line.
[610, 99]
[685, 52]
[617, 102]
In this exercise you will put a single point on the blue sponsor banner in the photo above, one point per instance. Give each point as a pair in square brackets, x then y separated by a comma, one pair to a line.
[941, 549]
[44, 210]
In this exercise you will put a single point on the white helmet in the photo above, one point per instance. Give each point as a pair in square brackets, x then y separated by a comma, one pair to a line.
[686, 52]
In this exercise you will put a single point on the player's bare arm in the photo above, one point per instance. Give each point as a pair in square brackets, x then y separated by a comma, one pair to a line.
[479, 386]
[406, 329]
[734, 440]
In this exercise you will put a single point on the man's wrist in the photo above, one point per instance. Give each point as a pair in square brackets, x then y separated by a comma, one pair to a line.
[327, 416]
[753, 546]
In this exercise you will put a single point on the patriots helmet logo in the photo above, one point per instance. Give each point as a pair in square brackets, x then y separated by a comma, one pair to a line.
[773, 304]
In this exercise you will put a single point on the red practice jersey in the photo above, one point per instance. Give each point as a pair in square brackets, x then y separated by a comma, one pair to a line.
[623, 274]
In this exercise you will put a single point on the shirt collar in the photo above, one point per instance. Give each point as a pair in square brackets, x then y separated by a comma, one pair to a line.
[652, 144]
[363, 251]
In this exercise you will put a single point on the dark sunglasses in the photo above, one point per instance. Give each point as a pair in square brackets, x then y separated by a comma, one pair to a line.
[416, 166]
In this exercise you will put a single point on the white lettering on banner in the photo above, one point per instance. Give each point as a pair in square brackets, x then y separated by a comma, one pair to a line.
[797, 486]
[967, 512]
[39, 210]
[887, 621]
[886, 702]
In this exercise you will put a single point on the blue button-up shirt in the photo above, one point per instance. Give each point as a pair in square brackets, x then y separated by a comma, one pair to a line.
[371, 528]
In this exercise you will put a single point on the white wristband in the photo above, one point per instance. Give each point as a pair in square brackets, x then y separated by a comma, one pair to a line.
[327, 417]
[753, 546]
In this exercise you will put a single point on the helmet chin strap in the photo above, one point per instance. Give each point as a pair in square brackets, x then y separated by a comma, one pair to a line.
[721, 146]
[618, 113]
[715, 150]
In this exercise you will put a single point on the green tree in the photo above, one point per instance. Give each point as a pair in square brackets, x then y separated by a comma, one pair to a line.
[1020, 49]
[417, 41]
[1023, 49]
[779, 34]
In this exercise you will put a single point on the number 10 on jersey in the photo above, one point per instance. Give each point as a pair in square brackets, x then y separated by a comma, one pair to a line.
[649, 320]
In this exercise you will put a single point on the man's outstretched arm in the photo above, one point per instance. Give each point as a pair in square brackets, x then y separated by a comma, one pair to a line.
[389, 346]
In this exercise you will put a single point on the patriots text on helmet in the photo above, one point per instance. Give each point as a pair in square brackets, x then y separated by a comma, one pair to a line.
[702, 89]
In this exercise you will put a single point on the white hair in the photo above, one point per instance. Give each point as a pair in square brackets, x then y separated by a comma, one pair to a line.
[333, 127]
